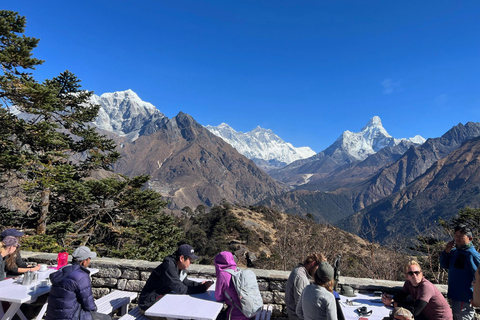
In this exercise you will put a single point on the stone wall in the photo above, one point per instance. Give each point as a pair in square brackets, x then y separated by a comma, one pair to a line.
[131, 275]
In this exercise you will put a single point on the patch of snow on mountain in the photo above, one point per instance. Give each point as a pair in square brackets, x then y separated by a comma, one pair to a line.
[261, 144]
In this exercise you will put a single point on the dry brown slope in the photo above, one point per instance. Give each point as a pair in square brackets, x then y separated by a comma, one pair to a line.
[293, 238]
[192, 167]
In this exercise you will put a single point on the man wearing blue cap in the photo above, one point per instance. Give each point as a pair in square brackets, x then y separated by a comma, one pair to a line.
[171, 277]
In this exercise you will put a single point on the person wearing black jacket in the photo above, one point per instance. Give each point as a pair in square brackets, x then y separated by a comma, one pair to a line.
[171, 277]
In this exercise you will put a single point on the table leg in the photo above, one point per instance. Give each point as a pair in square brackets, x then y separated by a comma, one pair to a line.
[21, 315]
[42, 312]
[14, 307]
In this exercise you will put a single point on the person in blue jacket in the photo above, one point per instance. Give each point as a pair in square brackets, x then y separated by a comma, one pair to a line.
[71, 296]
[461, 259]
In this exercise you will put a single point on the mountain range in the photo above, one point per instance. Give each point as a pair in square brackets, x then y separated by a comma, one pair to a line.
[349, 148]
[362, 176]
[421, 192]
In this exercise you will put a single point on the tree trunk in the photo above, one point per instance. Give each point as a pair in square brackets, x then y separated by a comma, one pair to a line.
[44, 205]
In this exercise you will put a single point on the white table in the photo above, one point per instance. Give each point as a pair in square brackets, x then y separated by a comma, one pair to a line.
[18, 294]
[202, 306]
[372, 303]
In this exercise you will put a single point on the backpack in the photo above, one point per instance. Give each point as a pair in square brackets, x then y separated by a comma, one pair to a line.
[245, 283]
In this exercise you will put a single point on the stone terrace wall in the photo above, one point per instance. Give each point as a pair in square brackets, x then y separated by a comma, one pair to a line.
[131, 275]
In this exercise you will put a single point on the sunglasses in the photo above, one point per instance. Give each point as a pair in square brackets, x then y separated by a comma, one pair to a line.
[411, 273]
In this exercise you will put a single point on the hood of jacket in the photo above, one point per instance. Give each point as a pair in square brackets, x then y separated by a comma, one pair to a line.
[57, 277]
[224, 260]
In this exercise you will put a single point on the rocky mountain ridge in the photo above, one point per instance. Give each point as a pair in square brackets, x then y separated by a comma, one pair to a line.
[126, 115]
[348, 149]
[450, 184]
[353, 187]
[191, 166]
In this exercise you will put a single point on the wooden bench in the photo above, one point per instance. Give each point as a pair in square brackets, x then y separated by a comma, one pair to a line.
[115, 300]
[266, 313]
[134, 314]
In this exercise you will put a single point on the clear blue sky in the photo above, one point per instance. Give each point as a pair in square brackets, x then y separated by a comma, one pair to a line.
[308, 70]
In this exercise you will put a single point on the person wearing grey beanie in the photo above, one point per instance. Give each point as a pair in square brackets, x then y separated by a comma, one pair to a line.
[317, 301]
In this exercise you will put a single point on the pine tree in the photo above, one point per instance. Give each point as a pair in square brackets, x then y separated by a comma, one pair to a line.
[50, 143]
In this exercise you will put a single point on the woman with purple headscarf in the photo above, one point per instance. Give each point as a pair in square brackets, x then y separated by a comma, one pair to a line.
[224, 260]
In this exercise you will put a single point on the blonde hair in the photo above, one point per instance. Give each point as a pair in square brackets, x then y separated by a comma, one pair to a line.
[11, 260]
[2, 246]
[316, 257]
[327, 285]
[412, 263]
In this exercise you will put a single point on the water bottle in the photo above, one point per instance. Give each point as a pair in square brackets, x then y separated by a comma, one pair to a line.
[27, 278]
[62, 259]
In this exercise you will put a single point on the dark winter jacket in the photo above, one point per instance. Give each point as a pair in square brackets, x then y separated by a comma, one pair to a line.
[71, 294]
[167, 278]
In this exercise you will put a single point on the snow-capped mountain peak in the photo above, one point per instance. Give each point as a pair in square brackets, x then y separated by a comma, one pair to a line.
[124, 113]
[374, 122]
[262, 144]
[369, 140]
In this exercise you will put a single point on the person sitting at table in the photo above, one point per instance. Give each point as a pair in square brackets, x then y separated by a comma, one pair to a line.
[297, 281]
[7, 246]
[317, 301]
[171, 277]
[14, 263]
[428, 301]
[71, 295]
[224, 260]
